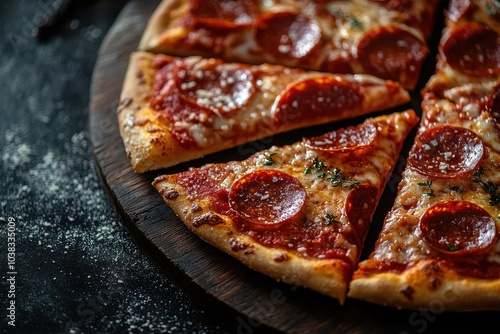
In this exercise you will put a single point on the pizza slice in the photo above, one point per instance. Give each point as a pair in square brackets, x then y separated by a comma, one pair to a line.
[468, 64]
[382, 38]
[297, 213]
[178, 109]
[440, 246]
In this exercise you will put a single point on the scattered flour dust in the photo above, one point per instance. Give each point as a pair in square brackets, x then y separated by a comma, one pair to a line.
[61, 209]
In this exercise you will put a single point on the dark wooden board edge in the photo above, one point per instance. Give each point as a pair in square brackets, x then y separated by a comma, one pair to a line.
[248, 301]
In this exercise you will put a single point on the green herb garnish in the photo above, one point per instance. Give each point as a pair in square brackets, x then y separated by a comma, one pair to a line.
[268, 158]
[451, 247]
[330, 218]
[317, 167]
[353, 21]
[492, 9]
[427, 184]
[488, 186]
[335, 176]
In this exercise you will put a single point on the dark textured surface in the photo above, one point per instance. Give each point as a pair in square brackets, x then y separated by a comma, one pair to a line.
[78, 270]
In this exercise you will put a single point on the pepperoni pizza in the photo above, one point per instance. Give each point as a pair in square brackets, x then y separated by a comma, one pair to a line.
[177, 109]
[298, 213]
[440, 243]
[387, 39]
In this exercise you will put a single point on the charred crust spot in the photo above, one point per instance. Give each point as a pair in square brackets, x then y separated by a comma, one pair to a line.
[407, 291]
[229, 232]
[170, 194]
[280, 257]
[195, 208]
[434, 272]
[126, 101]
[248, 251]
[140, 77]
[431, 269]
[208, 218]
[434, 283]
[237, 245]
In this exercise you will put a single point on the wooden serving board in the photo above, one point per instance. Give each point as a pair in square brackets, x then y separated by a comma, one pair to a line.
[248, 301]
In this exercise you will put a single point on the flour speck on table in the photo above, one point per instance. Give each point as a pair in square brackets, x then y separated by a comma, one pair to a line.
[74, 267]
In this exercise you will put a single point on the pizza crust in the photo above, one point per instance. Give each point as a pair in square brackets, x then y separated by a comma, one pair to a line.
[430, 286]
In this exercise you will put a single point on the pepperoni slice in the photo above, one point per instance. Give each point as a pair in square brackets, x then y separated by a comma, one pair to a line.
[446, 152]
[458, 227]
[473, 49]
[287, 35]
[224, 13]
[164, 72]
[344, 140]
[267, 198]
[390, 52]
[493, 104]
[359, 207]
[314, 98]
[211, 84]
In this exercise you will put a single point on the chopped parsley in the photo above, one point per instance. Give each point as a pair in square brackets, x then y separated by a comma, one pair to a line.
[335, 176]
[488, 186]
[317, 167]
[353, 21]
[427, 184]
[268, 158]
[451, 247]
[330, 218]
[493, 7]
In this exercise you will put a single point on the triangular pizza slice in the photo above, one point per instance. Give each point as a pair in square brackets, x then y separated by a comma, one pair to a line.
[298, 213]
[174, 110]
[440, 246]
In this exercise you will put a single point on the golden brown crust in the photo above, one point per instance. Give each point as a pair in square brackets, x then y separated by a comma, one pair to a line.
[427, 285]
